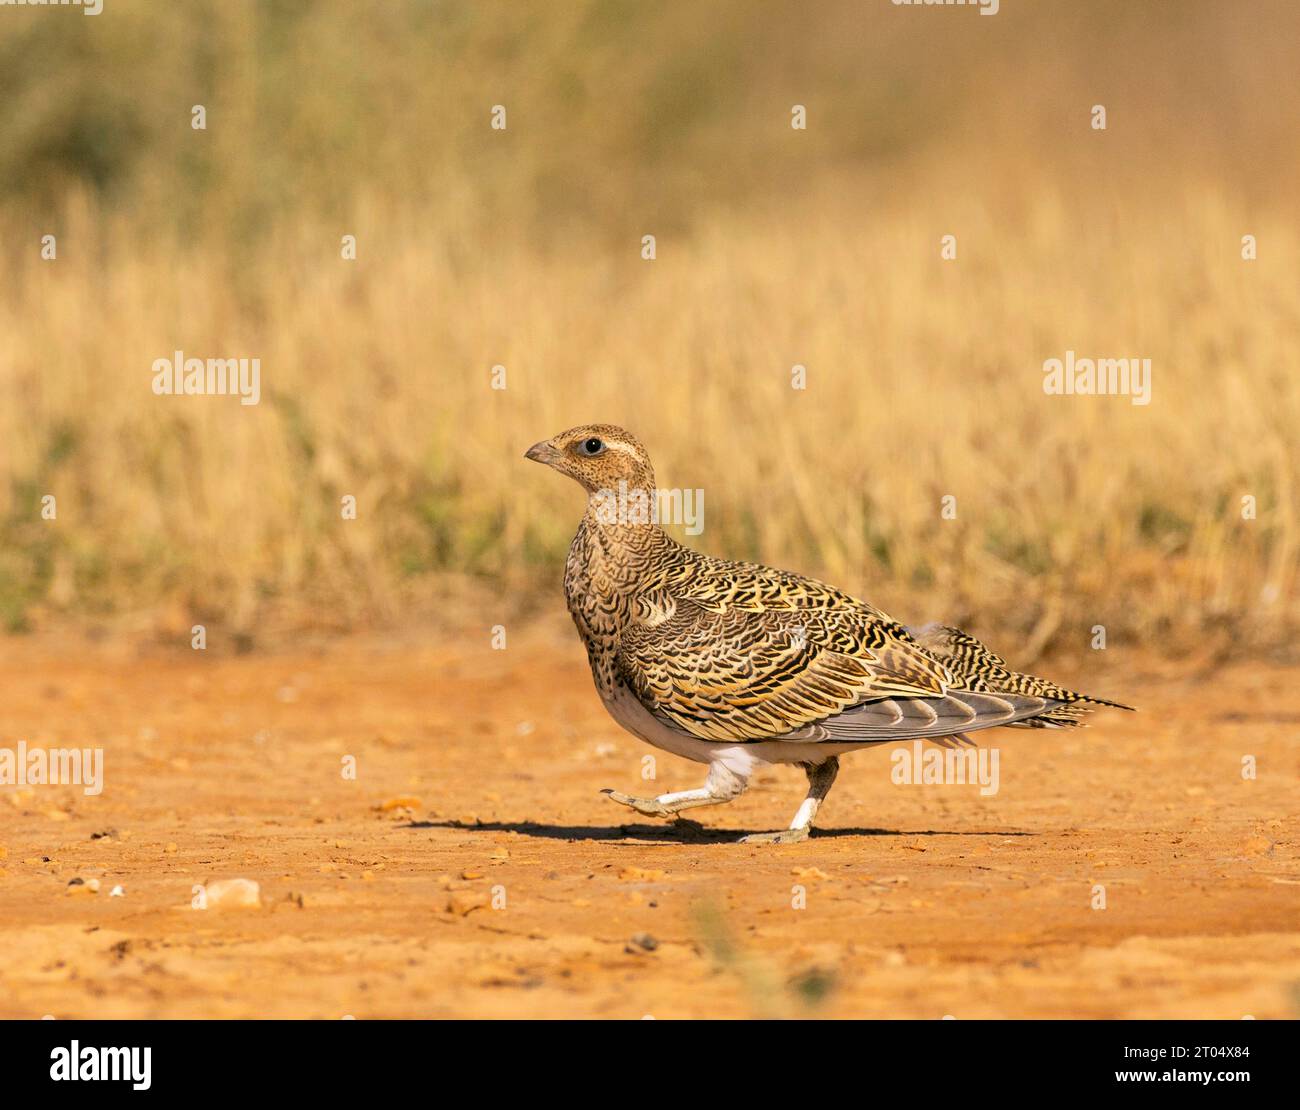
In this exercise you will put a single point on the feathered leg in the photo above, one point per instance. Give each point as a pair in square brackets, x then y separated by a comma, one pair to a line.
[722, 785]
[821, 776]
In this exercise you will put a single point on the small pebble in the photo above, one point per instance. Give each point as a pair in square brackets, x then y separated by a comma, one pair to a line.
[464, 902]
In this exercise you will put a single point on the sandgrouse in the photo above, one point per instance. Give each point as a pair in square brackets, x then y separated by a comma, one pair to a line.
[737, 665]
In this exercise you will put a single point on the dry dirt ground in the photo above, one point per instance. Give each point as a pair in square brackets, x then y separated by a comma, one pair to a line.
[471, 867]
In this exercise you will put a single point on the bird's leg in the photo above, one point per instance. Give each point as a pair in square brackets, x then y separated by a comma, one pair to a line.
[821, 776]
[722, 785]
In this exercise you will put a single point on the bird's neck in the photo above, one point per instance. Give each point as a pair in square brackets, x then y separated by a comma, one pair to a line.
[615, 551]
[626, 515]
[625, 537]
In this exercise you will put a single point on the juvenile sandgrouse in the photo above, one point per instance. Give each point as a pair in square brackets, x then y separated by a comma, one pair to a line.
[737, 665]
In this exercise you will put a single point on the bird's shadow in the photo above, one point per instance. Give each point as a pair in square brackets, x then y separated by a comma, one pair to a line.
[675, 832]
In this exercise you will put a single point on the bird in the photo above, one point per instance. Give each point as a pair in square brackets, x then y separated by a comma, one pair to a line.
[739, 666]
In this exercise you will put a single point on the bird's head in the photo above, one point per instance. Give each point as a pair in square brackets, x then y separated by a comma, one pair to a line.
[598, 457]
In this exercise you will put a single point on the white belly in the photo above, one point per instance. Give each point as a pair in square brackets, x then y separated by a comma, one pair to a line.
[742, 759]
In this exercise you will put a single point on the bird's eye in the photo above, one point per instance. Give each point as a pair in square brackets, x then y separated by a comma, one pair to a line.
[592, 446]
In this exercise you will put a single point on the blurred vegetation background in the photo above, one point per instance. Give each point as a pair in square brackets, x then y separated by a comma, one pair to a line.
[521, 247]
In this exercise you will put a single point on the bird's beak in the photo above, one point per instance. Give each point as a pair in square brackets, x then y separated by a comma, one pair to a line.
[543, 453]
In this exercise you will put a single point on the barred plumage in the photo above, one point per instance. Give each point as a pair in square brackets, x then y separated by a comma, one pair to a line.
[738, 664]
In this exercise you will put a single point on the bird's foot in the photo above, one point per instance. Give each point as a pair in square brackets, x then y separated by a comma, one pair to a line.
[649, 807]
[785, 836]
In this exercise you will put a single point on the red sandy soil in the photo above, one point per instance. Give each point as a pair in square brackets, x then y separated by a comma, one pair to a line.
[917, 900]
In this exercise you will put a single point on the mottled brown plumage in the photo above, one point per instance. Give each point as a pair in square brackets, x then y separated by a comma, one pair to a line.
[738, 664]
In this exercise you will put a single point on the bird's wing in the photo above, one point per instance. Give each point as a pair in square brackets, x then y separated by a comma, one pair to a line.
[736, 652]
[977, 668]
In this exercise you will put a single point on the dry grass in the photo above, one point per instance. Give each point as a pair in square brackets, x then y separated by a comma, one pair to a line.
[924, 379]
[924, 376]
